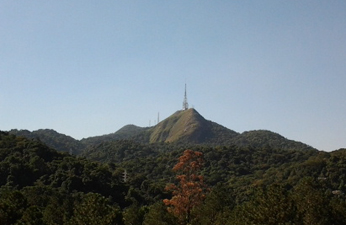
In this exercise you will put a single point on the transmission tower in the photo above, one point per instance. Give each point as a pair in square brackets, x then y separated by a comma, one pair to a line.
[125, 176]
[185, 104]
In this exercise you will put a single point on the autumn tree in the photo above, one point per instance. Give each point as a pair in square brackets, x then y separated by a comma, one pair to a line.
[190, 190]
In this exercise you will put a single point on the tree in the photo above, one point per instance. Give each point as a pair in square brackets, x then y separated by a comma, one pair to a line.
[216, 208]
[93, 210]
[190, 191]
[158, 215]
[12, 205]
[270, 205]
[134, 214]
[312, 203]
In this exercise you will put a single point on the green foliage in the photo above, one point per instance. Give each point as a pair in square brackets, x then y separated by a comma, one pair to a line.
[267, 139]
[216, 209]
[93, 209]
[269, 206]
[312, 204]
[53, 139]
[158, 215]
[32, 215]
[12, 206]
[41, 185]
[306, 203]
[134, 214]
[127, 132]
[250, 184]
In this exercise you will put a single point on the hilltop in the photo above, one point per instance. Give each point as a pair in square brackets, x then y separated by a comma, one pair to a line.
[189, 126]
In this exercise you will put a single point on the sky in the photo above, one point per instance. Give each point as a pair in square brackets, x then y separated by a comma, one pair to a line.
[87, 68]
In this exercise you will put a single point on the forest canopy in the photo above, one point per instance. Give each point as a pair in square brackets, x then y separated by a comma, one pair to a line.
[232, 184]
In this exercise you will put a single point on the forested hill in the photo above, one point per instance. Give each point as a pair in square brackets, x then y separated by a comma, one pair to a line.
[182, 127]
[39, 185]
[127, 132]
[55, 140]
[266, 138]
[244, 185]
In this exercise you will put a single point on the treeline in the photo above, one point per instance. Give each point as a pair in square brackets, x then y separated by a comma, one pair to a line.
[244, 185]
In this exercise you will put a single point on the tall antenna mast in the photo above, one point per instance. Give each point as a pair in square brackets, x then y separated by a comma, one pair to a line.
[185, 104]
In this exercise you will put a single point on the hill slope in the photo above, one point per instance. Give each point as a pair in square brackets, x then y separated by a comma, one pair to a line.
[53, 139]
[189, 126]
[125, 133]
[265, 138]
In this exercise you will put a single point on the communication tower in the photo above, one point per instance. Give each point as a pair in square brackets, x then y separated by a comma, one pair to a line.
[185, 103]
[125, 176]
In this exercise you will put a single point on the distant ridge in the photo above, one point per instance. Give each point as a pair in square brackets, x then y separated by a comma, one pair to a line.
[186, 127]
[266, 138]
[53, 139]
[125, 133]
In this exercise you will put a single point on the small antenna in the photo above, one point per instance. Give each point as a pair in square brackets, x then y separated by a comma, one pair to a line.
[158, 117]
[185, 104]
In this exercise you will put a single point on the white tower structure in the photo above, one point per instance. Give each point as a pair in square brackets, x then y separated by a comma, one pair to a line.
[185, 104]
[125, 176]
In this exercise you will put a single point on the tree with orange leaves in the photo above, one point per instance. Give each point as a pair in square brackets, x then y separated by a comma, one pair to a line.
[190, 190]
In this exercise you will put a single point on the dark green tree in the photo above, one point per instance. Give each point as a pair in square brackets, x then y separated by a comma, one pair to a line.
[270, 206]
[93, 209]
[158, 215]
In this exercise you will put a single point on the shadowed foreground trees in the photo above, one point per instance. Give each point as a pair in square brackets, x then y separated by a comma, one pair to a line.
[39, 185]
[307, 203]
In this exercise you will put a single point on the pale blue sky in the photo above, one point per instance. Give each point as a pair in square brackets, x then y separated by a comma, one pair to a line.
[86, 68]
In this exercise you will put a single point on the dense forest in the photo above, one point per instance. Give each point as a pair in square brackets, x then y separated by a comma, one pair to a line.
[128, 182]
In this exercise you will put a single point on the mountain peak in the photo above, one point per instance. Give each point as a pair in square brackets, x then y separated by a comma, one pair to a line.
[180, 124]
[186, 126]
